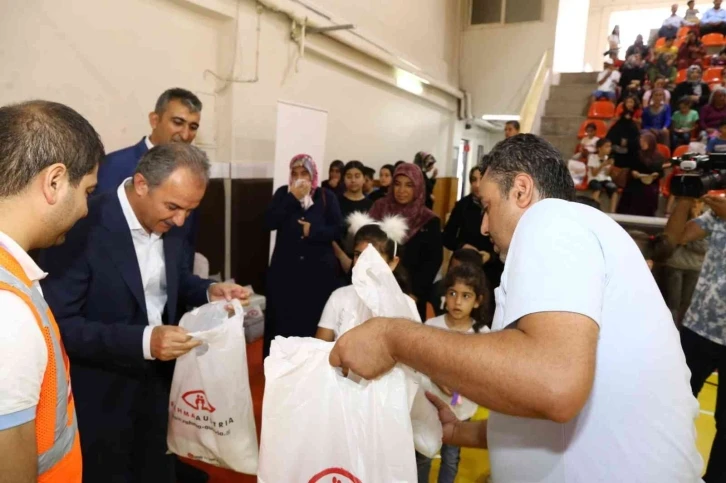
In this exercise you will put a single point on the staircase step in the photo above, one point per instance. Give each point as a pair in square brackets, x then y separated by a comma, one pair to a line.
[565, 144]
[565, 108]
[573, 93]
[578, 78]
[561, 125]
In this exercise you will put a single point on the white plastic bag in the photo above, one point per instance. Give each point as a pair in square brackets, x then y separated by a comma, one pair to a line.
[318, 426]
[377, 287]
[210, 407]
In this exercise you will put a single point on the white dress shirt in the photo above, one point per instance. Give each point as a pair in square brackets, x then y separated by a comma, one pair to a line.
[149, 249]
[147, 141]
[24, 355]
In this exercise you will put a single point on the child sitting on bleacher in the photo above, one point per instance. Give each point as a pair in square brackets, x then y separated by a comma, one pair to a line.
[587, 144]
[599, 165]
[682, 123]
[717, 144]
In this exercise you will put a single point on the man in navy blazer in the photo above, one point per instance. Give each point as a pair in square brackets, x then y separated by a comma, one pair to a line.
[175, 118]
[114, 288]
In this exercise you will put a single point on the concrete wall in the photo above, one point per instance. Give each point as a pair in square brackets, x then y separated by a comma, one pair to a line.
[110, 60]
[498, 62]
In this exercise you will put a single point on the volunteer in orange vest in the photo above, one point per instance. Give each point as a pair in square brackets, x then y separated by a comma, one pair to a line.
[49, 157]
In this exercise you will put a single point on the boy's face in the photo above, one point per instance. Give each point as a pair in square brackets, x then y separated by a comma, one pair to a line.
[590, 132]
[685, 108]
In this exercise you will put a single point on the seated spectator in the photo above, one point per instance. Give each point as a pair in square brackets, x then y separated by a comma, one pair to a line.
[599, 165]
[657, 117]
[577, 169]
[671, 24]
[587, 144]
[335, 175]
[631, 106]
[511, 128]
[624, 135]
[637, 48]
[660, 83]
[714, 20]
[663, 67]
[640, 196]
[717, 144]
[693, 87]
[691, 17]
[721, 83]
[668, 48]
[691, 52]
[719, 60]
[369, 176]
[632, 77]
[607, 83]
[683, 121]
[714, 112]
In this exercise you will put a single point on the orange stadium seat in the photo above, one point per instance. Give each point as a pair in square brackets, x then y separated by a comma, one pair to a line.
[712, 40]
[680, 151]
[712, 75]
[664, 151]
[681, 77]
[601, 110]
[660, 42]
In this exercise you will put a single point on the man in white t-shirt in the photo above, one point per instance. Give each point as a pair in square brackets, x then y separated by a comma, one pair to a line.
[607, 83]
[583, 372]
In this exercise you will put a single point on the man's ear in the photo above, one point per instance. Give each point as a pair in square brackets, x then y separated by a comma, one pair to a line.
[154, 119]
[53, 180]
[524, 190]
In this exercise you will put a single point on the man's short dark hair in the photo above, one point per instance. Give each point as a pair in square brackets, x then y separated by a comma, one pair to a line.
[38, 134]
[591, 125]
[369, 173]
[514, 124]
[184, 96]
[532, 155]
[161, 161]
[602, 142]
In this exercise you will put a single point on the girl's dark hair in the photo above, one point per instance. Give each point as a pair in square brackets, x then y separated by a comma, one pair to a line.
[467, 256]
[473, 277]
[389, 167]
[398, 163]
[336, 164]
[374, 235]
[473, 170]
[354, 165]
[602, 142]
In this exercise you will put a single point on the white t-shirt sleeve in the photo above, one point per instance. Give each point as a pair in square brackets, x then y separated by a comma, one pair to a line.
[593, 161]
[331, 313]
[23, 360]
[414, 310]
[555, 264]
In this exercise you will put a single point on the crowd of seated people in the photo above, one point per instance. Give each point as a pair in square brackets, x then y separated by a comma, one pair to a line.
[665, 98]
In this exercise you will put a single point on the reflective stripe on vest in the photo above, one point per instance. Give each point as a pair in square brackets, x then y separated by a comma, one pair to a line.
[64, 433]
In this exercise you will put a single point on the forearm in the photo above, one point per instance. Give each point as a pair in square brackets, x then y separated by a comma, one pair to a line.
[677, 221]
[505, 371]
[470, 434]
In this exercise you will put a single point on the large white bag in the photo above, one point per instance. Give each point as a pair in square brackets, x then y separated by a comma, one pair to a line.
[377, 287]
[210, 407]
[318, 426]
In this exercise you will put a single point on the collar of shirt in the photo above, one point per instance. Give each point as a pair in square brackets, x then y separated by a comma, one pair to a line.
[31, 269]
[129, 215]
[147, 141]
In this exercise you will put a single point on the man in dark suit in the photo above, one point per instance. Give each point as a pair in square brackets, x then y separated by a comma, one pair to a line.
[114, 290]
[175, 119]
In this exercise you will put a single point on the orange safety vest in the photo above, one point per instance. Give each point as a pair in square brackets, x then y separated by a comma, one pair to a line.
[56, 430]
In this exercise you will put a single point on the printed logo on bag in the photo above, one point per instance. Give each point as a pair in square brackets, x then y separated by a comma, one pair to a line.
[334, 475]
[198, 400]
[197, 411]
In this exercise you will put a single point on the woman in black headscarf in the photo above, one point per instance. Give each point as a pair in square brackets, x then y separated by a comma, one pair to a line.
[640, 196]
[694, 88]
[624, 136]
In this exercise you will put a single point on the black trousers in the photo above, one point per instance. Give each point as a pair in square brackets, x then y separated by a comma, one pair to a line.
[710, 28]
[703, 357]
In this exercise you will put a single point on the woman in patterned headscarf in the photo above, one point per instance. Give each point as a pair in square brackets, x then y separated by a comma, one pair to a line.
[303, 271]
[423, 247]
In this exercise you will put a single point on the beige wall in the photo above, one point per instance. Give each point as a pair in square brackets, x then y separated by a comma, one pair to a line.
[110, 60]
[498, 62]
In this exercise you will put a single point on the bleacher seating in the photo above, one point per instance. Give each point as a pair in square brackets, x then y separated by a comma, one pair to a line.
[681, 76]
[664, 151]
[712, 75]
[601, 110]
[713, 40]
